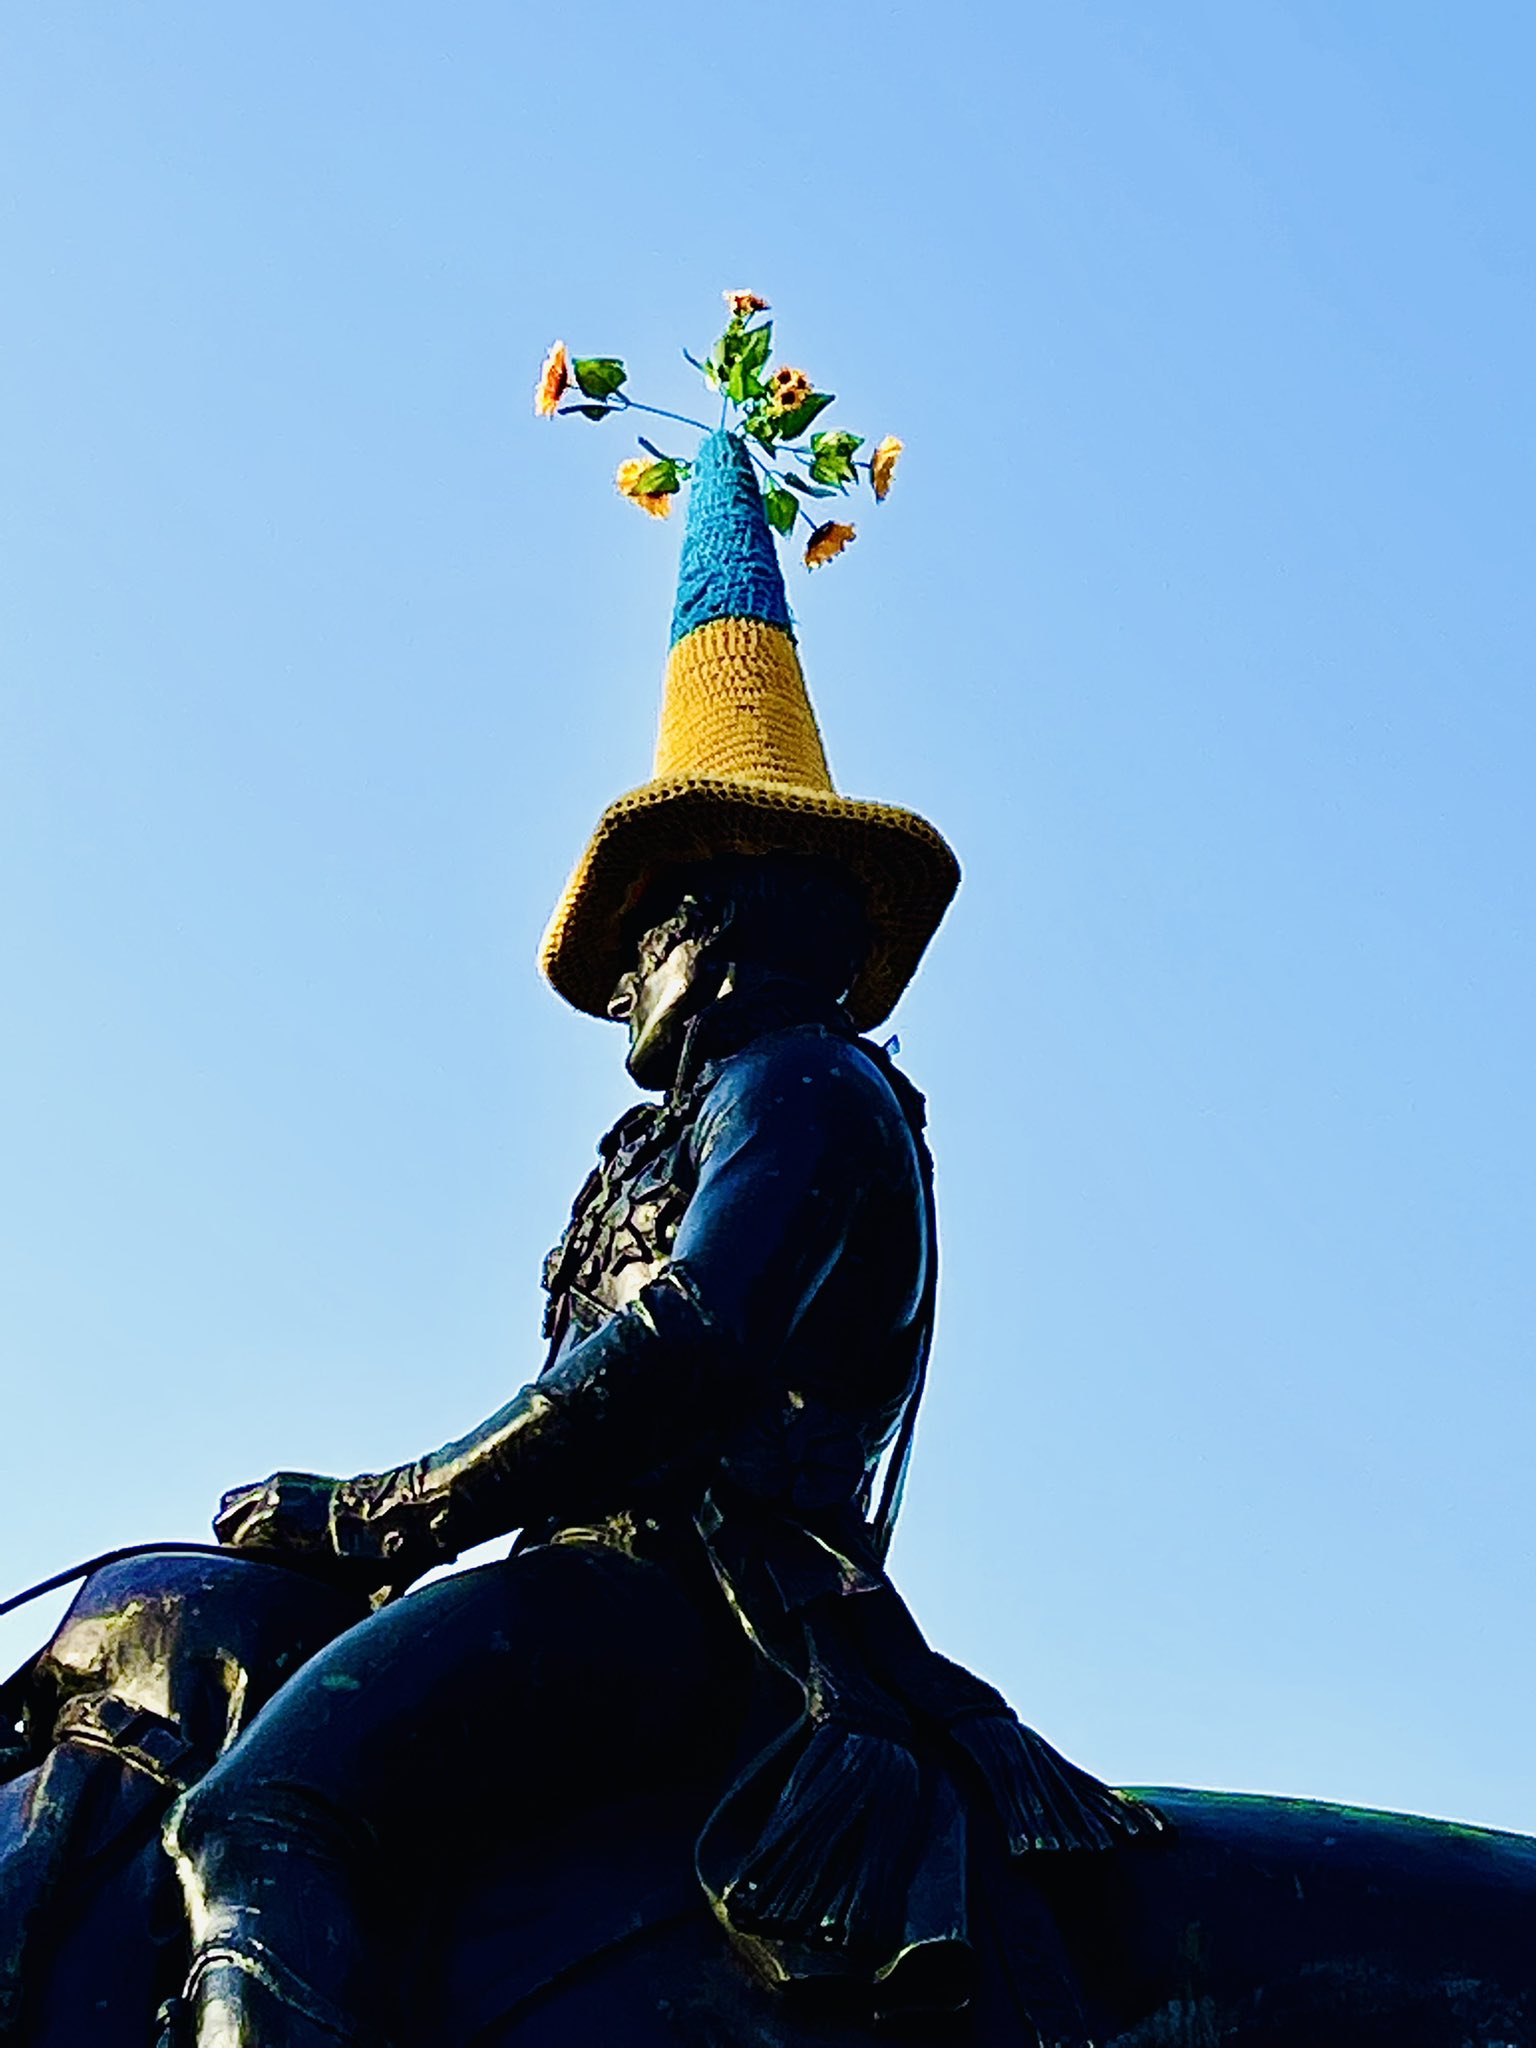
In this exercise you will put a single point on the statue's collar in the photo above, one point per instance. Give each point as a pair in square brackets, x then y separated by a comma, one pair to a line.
[734, 1020]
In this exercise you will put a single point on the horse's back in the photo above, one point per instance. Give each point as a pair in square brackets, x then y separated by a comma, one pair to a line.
[1280, 1923]
[1262, 1923]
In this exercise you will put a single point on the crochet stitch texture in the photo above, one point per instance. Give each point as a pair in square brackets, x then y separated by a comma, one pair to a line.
[730, 566]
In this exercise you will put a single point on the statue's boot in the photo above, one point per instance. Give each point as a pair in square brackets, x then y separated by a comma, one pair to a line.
[242, 1998]
[277, 1957]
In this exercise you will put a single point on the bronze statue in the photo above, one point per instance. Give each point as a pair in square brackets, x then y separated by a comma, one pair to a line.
[739, 1318]
[739, 1313]
[693, 1657]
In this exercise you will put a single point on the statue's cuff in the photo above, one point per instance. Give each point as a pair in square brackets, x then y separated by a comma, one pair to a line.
[385, 1517]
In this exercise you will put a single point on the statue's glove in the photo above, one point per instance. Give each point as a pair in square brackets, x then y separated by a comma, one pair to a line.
[290, 1513]
[377, 1518]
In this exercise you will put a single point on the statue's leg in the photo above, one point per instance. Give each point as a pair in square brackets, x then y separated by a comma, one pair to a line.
[436, 1730]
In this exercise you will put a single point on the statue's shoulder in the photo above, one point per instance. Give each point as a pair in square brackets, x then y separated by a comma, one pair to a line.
[807, 1074]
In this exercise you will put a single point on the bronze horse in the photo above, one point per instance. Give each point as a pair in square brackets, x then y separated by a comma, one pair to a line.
[1258, 1922]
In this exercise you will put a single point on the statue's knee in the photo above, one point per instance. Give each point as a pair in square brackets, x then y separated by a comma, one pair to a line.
[202, 1640]
[201, 1817]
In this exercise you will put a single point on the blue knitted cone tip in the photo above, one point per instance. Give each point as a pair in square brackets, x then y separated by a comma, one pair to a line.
[730, 566]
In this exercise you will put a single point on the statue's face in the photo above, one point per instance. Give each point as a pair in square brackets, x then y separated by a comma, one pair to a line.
[656, 999]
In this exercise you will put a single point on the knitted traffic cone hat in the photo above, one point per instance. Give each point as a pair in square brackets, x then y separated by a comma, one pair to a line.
[740, 767]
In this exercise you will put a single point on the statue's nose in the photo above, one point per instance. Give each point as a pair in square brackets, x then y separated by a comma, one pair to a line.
[622, 1002]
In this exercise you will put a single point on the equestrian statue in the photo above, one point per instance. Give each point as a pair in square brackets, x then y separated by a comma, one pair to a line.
[680, 1769]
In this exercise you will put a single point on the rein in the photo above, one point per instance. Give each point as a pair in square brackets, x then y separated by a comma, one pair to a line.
[96, 1564]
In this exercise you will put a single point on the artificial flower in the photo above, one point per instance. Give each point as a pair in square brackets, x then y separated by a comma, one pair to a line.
[788, 388]
[882, 464]
[825, 542]
[554, 381]
[657, 503]
[744, 304]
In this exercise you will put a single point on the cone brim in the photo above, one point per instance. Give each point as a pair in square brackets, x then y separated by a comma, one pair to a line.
[905, 867]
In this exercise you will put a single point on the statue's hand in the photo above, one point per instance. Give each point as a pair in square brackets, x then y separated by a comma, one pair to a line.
[386, 1518]
[290, 1512]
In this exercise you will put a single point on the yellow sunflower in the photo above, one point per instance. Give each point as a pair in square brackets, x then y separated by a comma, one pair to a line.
[788, 388]
[627, 479]
[882, 464]
[825, 542]
[554, 381]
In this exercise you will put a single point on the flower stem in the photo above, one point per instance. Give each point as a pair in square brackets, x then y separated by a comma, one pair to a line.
[661, 413]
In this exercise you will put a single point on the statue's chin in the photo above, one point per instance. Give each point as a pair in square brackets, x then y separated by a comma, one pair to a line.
[652, 1064]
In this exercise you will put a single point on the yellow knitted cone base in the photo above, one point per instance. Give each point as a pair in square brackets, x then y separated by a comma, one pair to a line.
[735, 707]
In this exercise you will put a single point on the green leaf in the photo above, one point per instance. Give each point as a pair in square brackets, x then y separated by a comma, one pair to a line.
[744, 379]
[737, 363]
[839, 442]
[833, 458]
[756, 345]
[759, 425]
[661, 479]
[593, 412]
[806, 490]
[743, 383]
[598, 376]
[789, 426]
[781, 509]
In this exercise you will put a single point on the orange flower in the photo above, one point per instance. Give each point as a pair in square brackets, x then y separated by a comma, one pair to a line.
[657, 503]
[744, 304]
[882, 464]
[825, 542]
[788, 388]
[554, 381]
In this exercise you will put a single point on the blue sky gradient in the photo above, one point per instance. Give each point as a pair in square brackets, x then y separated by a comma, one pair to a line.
[1199, 619]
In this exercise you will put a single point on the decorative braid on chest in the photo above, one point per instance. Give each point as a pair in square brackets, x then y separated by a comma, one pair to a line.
[626, 1217]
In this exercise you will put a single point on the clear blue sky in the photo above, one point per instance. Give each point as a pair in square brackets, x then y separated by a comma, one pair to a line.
[1200, 619]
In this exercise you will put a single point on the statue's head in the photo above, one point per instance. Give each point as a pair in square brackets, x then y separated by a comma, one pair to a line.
[729, 926]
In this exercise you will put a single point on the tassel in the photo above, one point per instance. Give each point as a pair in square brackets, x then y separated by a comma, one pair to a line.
[829, 1867]
[1043, 1801]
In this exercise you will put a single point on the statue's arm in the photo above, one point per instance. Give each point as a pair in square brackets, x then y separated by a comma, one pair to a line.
[785, 1147]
